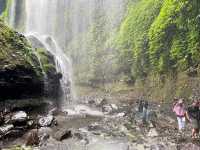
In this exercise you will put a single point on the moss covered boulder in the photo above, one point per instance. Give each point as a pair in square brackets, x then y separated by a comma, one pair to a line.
[48, 64]
[20, 71]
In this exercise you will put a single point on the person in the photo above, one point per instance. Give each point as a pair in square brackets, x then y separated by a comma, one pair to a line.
[145, 112]
[193, 115]
[180, 111]
[140, 106]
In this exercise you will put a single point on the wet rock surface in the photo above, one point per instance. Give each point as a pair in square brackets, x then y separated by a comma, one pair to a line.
[46, 121]
[19, 81]
[63, 134]
[20, 72]
[87, 127]
[48, 64]
[19, 117]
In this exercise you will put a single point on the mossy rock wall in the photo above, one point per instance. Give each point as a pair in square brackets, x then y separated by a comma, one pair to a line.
[48, 64]
[20, 71]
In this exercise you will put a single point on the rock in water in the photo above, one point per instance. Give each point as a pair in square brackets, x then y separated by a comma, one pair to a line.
[5, 129]
[46, 121]
[20, 116]
[63, 134]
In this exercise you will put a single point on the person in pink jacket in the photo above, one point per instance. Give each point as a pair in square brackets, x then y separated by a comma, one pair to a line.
[180, 111]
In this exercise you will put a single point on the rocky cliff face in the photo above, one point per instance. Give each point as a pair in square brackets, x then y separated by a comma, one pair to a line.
[20, 71]
[47, 60]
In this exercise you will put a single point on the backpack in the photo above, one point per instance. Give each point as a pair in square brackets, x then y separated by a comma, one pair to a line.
[194, 112]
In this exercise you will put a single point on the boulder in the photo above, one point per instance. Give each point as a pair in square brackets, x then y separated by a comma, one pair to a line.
[15, 133]
[20, 116]
[5, 129]
[62, 134]
[20, 72]
[48, 64]
[46, 121]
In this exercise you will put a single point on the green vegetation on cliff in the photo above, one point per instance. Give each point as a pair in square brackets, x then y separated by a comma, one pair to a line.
[133, 37]
[175, 36]
[20, 71]
[160, 36]
[15, 50]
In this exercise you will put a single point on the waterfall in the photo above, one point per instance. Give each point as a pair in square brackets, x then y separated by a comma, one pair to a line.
[13, 15]
[58, 24]
[41, 22]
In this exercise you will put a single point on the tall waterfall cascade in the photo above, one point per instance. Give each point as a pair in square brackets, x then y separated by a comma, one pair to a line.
[57, 23]
[40, 22]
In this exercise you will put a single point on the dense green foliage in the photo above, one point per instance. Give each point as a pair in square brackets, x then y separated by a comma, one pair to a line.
[159, 36]
[133, 36]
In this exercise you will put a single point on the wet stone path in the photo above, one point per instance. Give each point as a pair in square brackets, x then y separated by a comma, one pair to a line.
[108, 126]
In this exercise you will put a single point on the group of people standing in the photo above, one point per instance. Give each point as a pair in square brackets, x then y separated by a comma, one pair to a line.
[190, 113]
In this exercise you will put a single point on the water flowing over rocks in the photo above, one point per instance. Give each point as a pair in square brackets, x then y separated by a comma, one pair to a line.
[4, 129]
[98, 122]
[119, 130]
[48, 64]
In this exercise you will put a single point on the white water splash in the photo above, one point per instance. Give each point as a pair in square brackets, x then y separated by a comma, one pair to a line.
[40, 21]
[12, 15]
[65, 24]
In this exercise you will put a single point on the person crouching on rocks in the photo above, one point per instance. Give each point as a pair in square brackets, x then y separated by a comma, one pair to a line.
[180, 111]
[193, 115]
